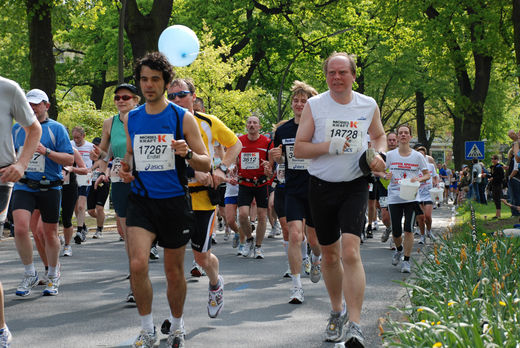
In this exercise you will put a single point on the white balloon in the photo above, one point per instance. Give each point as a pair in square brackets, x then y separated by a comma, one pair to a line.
[179, 44]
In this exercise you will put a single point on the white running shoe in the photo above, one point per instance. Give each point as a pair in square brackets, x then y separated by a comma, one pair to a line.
[216, 299]
[405, 267]
[272, 233]
[296, 295]
[354, 336]
[145, 339]
[241, 250]
[196, 270]
[67, 250]
[249, 248]
[397, 257]
[335, 327]
[278, 228]
[176, 339]
[52, 286]
[27, 283]
[287, 273]
[259, 253]
[154, 253]
[307, 265]
[5, 337]
[431, 235]
[97, 235]
[315, 272]
[236, 240]
[422, 240]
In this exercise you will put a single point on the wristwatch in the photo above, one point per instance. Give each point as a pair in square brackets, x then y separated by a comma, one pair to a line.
[223, 168]
[47, 151]
[189, 154]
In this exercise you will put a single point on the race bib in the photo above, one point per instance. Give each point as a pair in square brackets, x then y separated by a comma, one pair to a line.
[382, 202]
[296, 163]
[36, 164]
[280, 173]
[351, 130]
[114, 172]
[153, 152]
[250, 160]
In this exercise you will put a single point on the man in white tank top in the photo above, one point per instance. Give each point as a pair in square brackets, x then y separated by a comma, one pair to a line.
[332, 133]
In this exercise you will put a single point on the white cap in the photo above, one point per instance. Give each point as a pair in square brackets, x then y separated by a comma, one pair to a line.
[36, 96]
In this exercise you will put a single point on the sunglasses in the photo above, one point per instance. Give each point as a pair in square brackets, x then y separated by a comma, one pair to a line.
[124, 97]
[181, 94]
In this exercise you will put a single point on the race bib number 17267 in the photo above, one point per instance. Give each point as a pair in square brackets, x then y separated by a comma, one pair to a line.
[153, 152]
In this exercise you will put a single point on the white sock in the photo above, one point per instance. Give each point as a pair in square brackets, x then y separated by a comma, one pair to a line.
[177, 323]
[296, 281]
[285, 246]
[147, 322]
[30, 270]
[304, 248]
[53, 271]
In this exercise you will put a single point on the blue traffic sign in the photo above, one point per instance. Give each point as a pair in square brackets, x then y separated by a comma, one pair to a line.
[474, 149]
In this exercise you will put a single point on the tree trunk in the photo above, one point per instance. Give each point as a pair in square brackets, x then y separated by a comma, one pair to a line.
[421, 125]
[143, 31]
[98, 91]
[41, 56]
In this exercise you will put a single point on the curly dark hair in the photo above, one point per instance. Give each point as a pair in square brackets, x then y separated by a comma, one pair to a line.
[155, 61]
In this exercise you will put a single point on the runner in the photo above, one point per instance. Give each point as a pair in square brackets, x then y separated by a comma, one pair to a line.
[157, 151]
[13, 107]
[253, 184]
[84, 181]
[297, 207]
[40, 189]
[332, 132]
[202, 187]
[425, 200]
[98, 193]
[404, 163]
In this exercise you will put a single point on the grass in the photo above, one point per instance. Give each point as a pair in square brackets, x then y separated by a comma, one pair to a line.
[465, 293]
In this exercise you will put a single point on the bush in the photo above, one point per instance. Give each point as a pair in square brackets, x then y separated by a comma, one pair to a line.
[75, 113]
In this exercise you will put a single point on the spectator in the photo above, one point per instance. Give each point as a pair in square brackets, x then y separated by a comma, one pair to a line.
[495, 183]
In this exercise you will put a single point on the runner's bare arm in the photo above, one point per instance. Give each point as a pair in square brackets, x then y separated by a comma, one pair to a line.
[15, 171]
[303, 147]
[378, 140]
[100, 150]
[200, 160]
[63, 158]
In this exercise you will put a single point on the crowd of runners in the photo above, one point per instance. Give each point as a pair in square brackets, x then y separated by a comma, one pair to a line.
[322, 179]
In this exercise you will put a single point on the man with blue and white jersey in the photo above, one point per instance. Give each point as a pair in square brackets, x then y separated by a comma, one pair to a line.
[161, 137]
[40, 189]
[332, 132]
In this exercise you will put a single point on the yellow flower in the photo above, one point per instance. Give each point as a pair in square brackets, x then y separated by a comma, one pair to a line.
[483, 234]
[451, 303]
[438, 323]
[420, 309]
[423, 321]
[502, 303]
[437, 345]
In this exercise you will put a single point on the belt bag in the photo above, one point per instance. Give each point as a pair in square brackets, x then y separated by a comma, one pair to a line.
[214, 196]
[42, 185]
[256, 181]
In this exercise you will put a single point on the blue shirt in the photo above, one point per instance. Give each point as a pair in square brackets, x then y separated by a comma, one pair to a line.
[55, 138]
[157, 184]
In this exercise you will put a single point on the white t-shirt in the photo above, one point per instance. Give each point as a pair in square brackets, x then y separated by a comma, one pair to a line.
[347, 120]
[13, 106]
[424, 189]
[84, 151]
[403, 168]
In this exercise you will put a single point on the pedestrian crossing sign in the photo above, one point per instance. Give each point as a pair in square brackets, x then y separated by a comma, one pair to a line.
[474, 149]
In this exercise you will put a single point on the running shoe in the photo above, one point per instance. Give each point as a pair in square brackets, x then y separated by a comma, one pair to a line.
[78, 237]
[296, 295]
[121, 239]
[405, 267]
[5, 337]
[335, 327]
[315, 272]
[374, 225]
[259, 253]
[154, 253]
[287, 273]
[252, 227]
[27, 283]
[397, 257]
[196, 270]
[130, 297]
[431, 235]
[145, 339]
[236, 240]
[97, 235]
[67, 250]
[227, 232]
[392, 245]
[84, 233]
[52, 286]
[249, 248]
[369, 233]
[422, 240]
[307, 265]
[272, 233]
[213, 239]
[220, 223]
[241, 250]
[216, 299]
[175, 339]
[278, 228]
[416, 232]
[62, 240]
[386, 234]
[354, 336]
[43, 279]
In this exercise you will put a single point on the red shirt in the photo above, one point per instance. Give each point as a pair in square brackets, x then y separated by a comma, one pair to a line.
[251, 156]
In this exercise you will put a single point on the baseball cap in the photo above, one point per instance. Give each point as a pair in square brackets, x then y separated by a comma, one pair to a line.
[36, 96]
[96, 141]
[128, 86]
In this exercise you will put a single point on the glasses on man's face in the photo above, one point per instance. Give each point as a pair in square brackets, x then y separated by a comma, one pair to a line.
[124, 97]
[181, 94]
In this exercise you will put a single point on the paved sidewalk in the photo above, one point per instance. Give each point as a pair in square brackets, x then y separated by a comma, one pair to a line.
[91, 311]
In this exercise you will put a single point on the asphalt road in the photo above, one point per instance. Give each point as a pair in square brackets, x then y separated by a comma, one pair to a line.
[91, 311]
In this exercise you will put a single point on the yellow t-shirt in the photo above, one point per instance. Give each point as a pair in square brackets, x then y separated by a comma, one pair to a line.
[212, 130]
